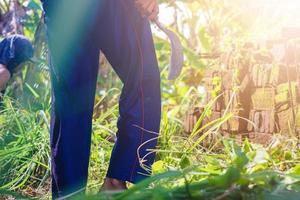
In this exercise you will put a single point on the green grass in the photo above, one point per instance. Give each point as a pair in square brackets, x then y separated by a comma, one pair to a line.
[186, 167]
[201, 165]
[24, 148]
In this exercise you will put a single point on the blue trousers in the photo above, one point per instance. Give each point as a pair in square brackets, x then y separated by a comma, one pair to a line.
[77, 30]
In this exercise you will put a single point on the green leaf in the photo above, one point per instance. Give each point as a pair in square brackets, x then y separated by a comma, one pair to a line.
[158, 167]
[185, 162]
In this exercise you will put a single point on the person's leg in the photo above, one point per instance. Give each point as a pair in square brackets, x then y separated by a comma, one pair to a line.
[128, 45]
[74, 66]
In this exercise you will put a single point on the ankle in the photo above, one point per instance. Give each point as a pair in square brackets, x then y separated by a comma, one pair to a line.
[117, 182]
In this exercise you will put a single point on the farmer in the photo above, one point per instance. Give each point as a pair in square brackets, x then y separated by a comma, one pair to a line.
[77, 31]
[14, 50]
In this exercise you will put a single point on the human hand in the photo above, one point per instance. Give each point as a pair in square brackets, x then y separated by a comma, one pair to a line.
[148, 8]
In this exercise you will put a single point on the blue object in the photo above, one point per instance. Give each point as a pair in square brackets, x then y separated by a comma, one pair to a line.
[14, 50]
[77, 30]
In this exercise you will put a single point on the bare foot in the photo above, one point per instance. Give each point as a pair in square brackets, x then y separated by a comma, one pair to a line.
[111, 184]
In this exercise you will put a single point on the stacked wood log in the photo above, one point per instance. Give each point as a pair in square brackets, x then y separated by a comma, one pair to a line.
[262, 112]
[260, 90]
[232, 98]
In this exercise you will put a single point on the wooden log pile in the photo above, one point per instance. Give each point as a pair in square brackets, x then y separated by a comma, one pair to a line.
[262, 110]
[262, 92]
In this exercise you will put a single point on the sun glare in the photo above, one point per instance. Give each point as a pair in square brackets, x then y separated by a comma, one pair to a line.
[265, 18]
[271, 16]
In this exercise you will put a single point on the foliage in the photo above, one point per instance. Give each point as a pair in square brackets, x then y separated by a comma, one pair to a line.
[24, 149]
[203, 165]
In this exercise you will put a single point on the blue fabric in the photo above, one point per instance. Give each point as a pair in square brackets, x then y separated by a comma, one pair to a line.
[14, 50]
[75, 37]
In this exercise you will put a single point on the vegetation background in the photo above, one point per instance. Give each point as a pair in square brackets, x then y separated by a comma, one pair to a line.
[186, 168]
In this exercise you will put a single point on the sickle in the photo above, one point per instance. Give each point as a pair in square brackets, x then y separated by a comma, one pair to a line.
[176, 60]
